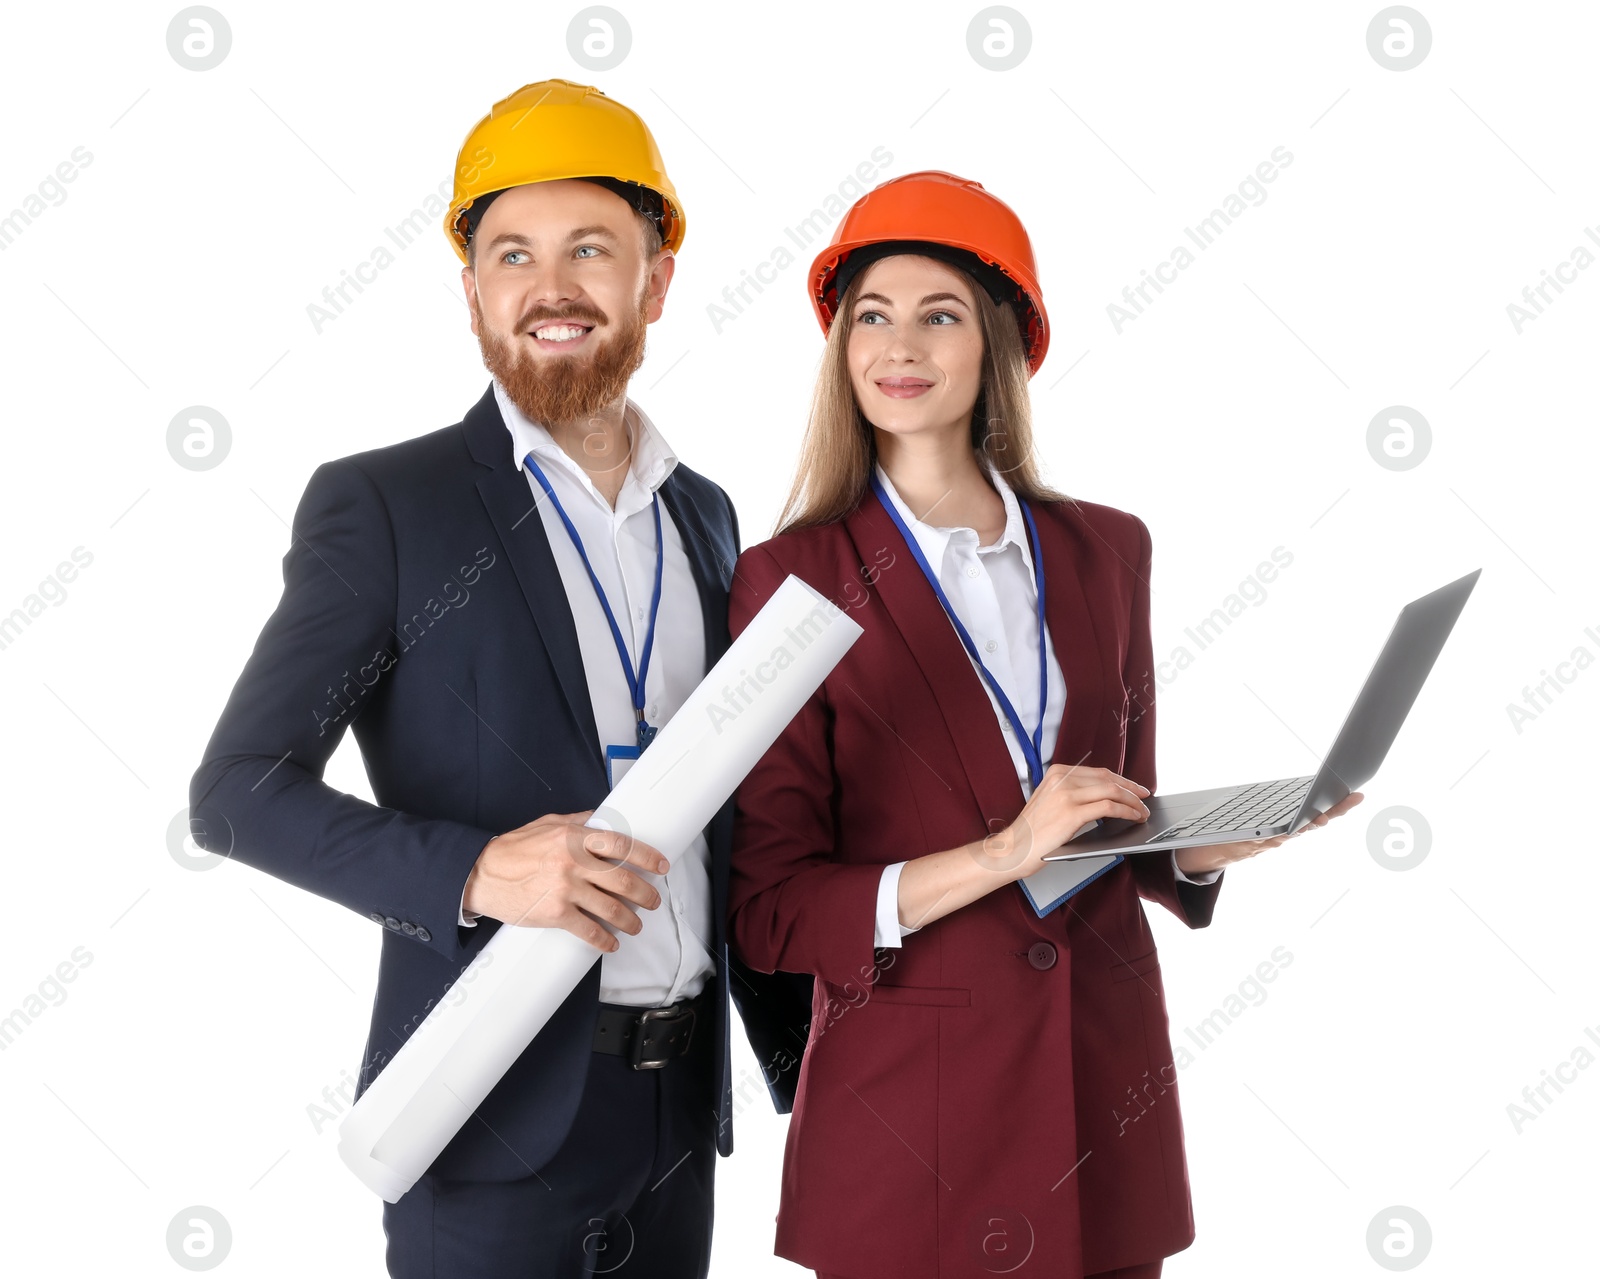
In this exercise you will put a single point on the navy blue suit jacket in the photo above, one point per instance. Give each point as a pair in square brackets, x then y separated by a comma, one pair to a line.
[423, 610]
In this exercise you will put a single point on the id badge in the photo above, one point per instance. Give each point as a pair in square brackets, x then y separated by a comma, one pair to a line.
[619, 759]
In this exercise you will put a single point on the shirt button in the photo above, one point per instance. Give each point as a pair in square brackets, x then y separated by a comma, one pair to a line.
[1042, 955]
[990, 646]
[641, 614]
[972, 570]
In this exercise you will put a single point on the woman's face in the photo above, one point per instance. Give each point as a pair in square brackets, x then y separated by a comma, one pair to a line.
[915, 349]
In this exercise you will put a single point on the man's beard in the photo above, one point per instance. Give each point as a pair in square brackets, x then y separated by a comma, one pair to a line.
[564, 388]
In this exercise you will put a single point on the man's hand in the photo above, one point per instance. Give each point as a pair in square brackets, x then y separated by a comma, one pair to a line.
[1217, 856]
[555, 872]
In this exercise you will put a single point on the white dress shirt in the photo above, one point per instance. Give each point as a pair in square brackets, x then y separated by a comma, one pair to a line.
[993, 592]
[670, 958]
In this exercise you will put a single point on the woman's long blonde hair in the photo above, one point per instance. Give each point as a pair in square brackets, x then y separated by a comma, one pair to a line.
[839, 450]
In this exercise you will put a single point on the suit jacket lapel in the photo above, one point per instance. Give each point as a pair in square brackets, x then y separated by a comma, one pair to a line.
[709, 572]
[515, 515]
[711, 575]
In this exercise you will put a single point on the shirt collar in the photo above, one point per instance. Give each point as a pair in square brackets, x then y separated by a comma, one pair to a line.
[937, 537]
[653, 459]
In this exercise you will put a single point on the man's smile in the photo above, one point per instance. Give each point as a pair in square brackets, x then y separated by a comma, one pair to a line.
[561, 335]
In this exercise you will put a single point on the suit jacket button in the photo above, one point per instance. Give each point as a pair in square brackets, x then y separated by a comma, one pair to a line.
[1042, 955]
[391, 923]
[408, 928]
[376, 917]
[423, 934]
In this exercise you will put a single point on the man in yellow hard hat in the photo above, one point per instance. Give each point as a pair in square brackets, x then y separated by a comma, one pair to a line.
[506, 610]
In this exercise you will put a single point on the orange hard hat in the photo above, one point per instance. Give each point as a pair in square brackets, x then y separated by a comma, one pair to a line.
[960, 223]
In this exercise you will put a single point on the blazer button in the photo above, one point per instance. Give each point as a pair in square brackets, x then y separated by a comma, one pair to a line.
[376, 917]
[1042, 955]
[391, 923]
[408, 928]
[423, 934]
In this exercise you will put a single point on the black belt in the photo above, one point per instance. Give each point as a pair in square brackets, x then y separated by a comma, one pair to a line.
[648, 1037]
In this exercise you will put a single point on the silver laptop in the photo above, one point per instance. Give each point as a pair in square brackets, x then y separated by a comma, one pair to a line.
[1285, 804]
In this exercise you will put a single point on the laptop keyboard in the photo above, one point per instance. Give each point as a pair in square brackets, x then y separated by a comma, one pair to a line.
[1255, 807]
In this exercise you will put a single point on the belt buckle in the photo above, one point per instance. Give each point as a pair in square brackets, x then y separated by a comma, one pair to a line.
[639, 1060]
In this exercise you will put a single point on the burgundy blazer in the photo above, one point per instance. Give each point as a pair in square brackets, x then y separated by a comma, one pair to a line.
[1001, 1085]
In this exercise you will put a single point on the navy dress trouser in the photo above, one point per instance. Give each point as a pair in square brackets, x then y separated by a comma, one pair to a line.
[627, 1194]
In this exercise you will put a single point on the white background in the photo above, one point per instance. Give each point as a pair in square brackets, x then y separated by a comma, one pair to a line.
[1232, 416]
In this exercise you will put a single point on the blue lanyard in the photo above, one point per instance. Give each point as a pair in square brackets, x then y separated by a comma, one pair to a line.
[635, 682]
[1031, 743]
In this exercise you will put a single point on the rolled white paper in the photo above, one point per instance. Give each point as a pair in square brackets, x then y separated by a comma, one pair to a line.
[512, 987]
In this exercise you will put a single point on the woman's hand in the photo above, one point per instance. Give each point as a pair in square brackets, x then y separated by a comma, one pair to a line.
[1217, 856]
[1066, 800]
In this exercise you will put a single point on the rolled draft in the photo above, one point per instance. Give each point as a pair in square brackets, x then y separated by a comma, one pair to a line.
[512, 987]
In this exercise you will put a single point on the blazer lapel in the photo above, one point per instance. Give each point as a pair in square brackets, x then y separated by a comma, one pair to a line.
[1074, 636]
[953, 683]
[711, 575]
[515, 515]
[704, 563]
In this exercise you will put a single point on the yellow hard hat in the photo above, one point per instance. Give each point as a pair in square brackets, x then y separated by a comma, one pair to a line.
[557, 129]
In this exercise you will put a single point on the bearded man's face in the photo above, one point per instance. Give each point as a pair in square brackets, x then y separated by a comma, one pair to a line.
[561, 293]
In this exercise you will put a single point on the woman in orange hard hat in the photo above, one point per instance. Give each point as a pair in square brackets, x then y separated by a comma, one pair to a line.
[988, 1083]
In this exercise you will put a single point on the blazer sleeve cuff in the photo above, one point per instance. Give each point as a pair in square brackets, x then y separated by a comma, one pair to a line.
[450, 851]
[819, 921]
[1158, 881]
[1205, 876]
